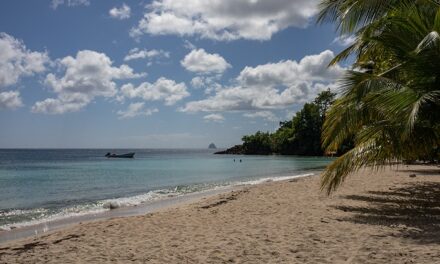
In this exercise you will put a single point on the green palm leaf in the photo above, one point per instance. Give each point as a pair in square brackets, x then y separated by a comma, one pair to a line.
[391, 104]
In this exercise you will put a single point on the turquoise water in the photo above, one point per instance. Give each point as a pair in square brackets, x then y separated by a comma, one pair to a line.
[42, 184]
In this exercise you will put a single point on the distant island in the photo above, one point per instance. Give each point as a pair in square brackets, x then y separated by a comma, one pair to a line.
[212, 146]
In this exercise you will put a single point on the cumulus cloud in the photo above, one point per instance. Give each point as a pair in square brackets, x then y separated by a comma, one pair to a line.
[161, 90]
[136, 109]
[136, 54]
[69, 3]
[199, 61]
[224, 19]
[120, 13]
[198, 82]
[17, 61]
[273, 85]
[60, 105]
[10, 100]
[209, 83]
[90, 74]
[266, 115]
[218, 118]
[344, 40]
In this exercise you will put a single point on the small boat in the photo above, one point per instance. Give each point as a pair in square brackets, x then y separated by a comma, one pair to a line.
[125, 156]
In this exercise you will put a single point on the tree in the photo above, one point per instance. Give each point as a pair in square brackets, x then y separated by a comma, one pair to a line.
[259, 143]
[307, 125]
[299, 136]
[390, 105]
[282, 139]
[323, 101]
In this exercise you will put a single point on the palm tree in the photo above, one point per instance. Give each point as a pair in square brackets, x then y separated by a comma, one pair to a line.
[391, 102]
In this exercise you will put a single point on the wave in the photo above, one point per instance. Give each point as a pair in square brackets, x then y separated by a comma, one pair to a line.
[274, 179]
[21, 218]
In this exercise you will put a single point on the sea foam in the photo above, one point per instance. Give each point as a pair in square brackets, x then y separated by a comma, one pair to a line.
[43, 215]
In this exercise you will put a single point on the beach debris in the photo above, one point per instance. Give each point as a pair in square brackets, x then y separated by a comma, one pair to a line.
[112, 205]
[65, 238]
[293, 180]
[412, 175]
[219, 202]
[29, 246]
[224, 199]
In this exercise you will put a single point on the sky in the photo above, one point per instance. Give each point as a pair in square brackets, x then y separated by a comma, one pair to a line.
[157, 74]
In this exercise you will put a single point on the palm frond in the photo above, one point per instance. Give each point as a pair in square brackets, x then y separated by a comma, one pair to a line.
[392, 105]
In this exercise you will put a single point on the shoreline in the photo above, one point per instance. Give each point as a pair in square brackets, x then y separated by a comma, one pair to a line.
[46, 226]
[49, 226]
[385, 216]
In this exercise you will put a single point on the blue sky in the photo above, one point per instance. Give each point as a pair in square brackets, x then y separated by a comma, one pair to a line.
[161, 74]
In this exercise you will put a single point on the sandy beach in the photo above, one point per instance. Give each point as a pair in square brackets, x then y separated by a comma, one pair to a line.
[375, 217]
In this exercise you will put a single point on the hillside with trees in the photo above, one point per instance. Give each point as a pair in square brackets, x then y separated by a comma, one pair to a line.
[299, 136]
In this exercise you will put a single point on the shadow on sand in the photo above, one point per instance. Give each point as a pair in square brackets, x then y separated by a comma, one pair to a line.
[413, 209]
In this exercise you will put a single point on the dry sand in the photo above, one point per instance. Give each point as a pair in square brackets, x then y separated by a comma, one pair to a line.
[375, 217]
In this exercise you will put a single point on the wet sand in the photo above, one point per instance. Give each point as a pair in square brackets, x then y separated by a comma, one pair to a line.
[375, 217]
[48, 226]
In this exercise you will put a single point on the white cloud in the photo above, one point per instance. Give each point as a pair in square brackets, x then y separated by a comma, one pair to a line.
[266, 115]
[188, 45]
[10, 100]
[199, 61]
[135, 54]
[344, 40]
[209, 83]
[69, 3]
[290, 114]
[17, 61]
[224, 19]
[310, 68]
[136, 109]
[120, 13]
[60, 105]
[163, 89]
[198, 82]
[90, 74]
[273, 85]
[218, 118]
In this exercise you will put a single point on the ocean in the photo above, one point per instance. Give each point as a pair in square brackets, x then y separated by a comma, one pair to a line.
[44, 184]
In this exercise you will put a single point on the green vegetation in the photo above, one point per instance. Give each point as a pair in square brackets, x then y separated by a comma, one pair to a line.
[299, 136]
[390, 102]
[302, 135]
